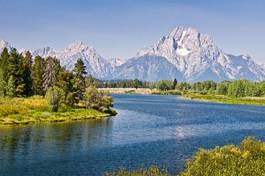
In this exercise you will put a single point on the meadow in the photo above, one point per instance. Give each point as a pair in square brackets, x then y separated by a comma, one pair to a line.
[36, 109]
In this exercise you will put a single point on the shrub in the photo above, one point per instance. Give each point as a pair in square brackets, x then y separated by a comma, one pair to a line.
[54, 97]
[164, 85]
[98, 100]
[246, 159]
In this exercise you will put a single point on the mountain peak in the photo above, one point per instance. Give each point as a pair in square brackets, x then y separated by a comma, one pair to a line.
[80, 46]
[4, 44]
[179, 30]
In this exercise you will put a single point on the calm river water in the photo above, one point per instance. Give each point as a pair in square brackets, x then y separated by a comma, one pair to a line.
[148, 130]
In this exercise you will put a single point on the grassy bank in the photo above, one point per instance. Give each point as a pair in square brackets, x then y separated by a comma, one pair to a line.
[225, 99]
[35, 110]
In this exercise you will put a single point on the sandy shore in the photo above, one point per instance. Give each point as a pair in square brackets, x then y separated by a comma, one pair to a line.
[129, 90]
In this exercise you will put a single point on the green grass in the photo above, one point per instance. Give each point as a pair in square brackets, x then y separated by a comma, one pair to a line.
[152, 171]
[35, 110]
[226, 99]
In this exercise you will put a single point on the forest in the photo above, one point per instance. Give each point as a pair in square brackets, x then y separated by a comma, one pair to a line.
[27, 82]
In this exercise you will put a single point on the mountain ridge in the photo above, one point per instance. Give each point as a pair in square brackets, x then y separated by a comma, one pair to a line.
[193, 54]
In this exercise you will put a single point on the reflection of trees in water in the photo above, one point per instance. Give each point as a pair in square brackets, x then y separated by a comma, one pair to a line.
[53, 139]
[97, 133]
[11, 140]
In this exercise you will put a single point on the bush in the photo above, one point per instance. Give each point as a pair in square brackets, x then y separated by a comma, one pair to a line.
[54, 97]
[98, 100]
[164, 85]
[246, 159]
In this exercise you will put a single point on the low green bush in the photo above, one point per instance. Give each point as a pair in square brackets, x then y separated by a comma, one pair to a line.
[244, 160]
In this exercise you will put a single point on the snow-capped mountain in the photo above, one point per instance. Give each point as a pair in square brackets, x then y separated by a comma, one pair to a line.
[151, 68]
[44, 52]
[4, 44]
[115, 62]
[95, 64]
[197, 57]
[184, 54]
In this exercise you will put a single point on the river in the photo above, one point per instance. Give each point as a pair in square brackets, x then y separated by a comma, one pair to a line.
[148, 130]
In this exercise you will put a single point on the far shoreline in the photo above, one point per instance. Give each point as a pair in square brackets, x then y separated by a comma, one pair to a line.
[222, 99]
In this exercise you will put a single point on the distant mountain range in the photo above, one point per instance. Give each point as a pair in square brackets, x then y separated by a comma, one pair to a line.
[184, 54]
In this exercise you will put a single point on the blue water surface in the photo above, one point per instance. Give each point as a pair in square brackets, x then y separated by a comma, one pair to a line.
[148, 130]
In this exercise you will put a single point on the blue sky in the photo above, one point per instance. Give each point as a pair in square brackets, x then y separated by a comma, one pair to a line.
[119, 28]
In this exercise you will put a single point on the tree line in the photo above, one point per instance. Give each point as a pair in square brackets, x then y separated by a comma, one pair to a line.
[21, 76]
[233, 88]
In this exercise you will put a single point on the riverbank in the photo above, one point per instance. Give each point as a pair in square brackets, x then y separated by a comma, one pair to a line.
[190, 95]
[225, 99]
[146, 91]
[128, 90]
[22, 111]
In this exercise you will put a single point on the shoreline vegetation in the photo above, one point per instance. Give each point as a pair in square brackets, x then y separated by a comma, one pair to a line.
[41, 90]
[33, 110]
[247, 158]
[190, 95]
[228, 92]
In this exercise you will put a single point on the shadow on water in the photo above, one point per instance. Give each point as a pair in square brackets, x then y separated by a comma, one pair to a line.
[21, 145]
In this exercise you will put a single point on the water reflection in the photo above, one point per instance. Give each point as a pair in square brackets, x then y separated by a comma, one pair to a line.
[48, 140]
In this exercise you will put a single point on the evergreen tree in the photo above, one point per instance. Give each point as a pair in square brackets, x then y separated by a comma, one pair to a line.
[25, 75]
[2, 84]
[11, 87]
[175, 82]
[13, 64]
[79, 82]
[37, 74]
[4, 63]
[52, 68]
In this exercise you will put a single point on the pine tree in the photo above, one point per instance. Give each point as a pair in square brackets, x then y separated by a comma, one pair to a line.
[2, 84]
[13, 64]
[175, 82]
[79, 82]
[4, 63]
[37, 74]
[11, 87]
[52, 68]
[25, 81]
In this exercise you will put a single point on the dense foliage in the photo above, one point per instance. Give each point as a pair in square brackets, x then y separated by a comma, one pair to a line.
[246, 159]
[21, 77]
